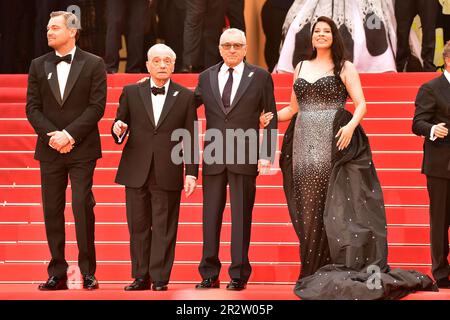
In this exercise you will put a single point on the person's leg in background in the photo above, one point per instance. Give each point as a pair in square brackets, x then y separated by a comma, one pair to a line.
[235, 13]
[115, 18]
[272, 23]
[405, 11]
[427, 10]
[212, 30]
[193, 31]
[172, 14]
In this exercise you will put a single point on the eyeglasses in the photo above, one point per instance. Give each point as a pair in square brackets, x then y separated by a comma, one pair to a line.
[157, 61]
[237, 46]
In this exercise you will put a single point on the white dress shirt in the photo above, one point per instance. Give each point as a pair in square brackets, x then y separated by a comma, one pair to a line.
[63, 69]
[158, 100]
[447, 75]
[237, 76]
[158, 103]
[432, 136]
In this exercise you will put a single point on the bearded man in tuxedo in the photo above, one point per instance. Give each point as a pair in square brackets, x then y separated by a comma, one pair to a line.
[66, 99]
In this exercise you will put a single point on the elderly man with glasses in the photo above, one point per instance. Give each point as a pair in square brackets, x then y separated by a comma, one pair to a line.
[234, 93]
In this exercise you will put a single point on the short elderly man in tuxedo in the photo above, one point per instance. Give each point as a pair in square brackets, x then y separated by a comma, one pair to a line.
[431, 120]
[66, 98]
[234, 93]
[149, 112]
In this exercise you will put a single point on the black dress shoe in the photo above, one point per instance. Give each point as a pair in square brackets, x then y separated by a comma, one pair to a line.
[443, 283]
[237, 285]
[208, 283]
[54, 283]
[159, 286]
[138, 284]
[89, 282]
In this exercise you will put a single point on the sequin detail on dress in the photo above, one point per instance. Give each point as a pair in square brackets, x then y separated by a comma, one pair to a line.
[313, 137]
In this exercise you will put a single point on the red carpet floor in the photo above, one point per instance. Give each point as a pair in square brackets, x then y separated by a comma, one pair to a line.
[175, 292]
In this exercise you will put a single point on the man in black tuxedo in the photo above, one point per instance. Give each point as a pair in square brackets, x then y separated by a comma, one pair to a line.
[65, 100]
[234, 94]
[431, 120]
[151, 112]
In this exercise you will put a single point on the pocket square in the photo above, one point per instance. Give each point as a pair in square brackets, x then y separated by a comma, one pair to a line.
[49, 76]
[175, 93]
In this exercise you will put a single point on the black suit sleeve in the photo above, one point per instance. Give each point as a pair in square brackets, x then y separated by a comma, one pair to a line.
[190, 123]
[198, 99]
[270, 133]
[87, 121]
[425, 111]
[123, 115]
[33, 108]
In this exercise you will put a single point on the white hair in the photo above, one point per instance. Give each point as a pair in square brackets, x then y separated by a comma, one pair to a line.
[233, 31]
[161, 47]
[446, 52]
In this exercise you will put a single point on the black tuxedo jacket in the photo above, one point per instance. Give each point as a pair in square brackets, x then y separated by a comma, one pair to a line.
[78, 112]
[254, 95]
[148, 142]
[433, 107]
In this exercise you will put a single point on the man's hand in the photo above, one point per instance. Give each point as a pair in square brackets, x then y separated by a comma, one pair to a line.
[189, 186]
[264, 166]
[143, 79]
[119, 128]
[440, 130]
[67, 148]
[58, 140]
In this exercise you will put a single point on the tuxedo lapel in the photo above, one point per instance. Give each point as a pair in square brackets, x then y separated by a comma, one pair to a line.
[444, 87]
[75, 70]
[52, 78]
[171, 97]
[145, 93]
[247, 77]
[214, 81]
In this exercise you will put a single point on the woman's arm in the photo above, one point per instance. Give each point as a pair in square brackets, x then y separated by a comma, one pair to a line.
[350, 77]
[287, 112]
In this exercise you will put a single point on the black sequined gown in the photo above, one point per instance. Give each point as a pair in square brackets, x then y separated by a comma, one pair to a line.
[313, 137]
[336, 203]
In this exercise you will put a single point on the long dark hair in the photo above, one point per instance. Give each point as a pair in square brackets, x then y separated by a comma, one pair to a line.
[338, 52]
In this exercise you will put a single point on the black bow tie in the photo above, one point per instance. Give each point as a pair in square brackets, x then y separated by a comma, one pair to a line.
[66, 58]
[156, 90]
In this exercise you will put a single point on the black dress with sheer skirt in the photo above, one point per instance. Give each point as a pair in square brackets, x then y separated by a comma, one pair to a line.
[336, 203]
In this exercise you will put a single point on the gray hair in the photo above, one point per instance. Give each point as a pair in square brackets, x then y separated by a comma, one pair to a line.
[446, 53]
[71, 19]
[233, 31]
[162, 47]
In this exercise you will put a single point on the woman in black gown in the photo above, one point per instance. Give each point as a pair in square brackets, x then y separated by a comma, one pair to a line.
[333, 193]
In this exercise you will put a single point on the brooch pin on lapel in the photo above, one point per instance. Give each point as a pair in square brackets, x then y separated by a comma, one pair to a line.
[175, 93]
[250, 74]
[49, 76]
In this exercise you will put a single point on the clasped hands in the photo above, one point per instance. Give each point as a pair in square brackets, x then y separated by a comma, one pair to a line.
[60, 142]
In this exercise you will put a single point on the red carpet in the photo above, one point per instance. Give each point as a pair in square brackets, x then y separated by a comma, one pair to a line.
[274, 250]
